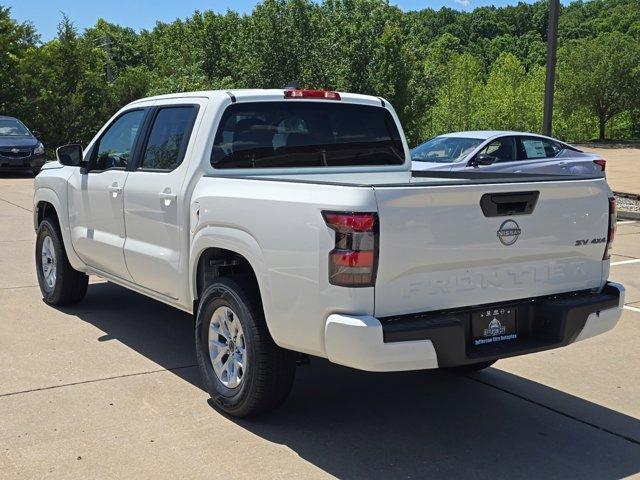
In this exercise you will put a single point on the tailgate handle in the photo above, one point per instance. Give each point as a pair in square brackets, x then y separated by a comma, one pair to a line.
[508, 204]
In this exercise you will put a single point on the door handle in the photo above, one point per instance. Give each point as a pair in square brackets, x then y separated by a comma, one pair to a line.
[114, 189]
[167, 197]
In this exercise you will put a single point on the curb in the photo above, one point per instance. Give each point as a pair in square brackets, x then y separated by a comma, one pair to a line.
[622, 215]
[633, 196]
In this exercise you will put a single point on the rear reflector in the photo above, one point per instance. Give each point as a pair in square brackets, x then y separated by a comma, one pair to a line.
[611, 233]
[349, 258]
[350, 222]
[601, 163]
[317, 94]
[354, 260]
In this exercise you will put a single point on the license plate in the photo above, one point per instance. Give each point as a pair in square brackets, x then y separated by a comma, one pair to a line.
[494, 325]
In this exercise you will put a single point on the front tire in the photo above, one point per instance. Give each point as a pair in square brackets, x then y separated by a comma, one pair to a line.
[59, 283]
[243, 370]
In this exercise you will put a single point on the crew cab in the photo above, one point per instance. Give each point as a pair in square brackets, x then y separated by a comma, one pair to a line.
[289, 223]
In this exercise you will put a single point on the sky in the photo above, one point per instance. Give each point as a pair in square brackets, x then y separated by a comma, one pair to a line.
[139, 14]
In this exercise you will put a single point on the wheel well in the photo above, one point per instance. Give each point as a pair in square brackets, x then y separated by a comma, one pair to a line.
[215, 263]
[47, 210]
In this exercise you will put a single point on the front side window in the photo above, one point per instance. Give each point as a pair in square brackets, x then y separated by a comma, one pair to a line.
[294, 133]
[168, 138]
[116, 144]
[10, 127]
[534, 147]
[444, 149]
[502, 149]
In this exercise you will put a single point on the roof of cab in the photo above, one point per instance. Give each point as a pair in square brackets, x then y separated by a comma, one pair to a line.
[259, 94]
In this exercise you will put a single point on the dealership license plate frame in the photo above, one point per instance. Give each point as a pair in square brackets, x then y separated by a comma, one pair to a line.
[491, 326]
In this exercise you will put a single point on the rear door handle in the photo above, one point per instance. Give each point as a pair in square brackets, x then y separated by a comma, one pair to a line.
[168, 197]
[114, 189]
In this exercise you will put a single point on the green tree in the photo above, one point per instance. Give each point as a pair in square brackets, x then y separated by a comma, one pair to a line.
[16, 39]
[389, 72]
[459, 97]
[600, 75]
[441, 70]
[512, 100]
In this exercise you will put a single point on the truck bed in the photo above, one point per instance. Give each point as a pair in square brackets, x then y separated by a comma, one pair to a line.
[437, 248]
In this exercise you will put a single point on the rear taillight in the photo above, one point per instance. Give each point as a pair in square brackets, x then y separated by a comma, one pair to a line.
[611, 233]
[317, 94]
[354, 260]
[601, 163]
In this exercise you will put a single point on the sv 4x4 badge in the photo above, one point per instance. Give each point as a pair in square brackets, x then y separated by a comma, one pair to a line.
[580, 243]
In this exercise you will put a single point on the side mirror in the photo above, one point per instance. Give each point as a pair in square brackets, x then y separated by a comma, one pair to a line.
[70, 155]
[36, 134]
[481, 159]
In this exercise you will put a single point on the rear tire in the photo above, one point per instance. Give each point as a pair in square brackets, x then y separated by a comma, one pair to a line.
[473, 367]
[252, 375]
[59, 283]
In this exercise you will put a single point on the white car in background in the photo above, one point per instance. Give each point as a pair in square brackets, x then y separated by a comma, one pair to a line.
[503, 151]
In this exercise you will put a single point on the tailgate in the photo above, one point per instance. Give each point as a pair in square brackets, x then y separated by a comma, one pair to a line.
[439, 250]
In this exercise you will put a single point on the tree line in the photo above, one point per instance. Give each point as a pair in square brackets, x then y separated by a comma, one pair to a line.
[443, 70]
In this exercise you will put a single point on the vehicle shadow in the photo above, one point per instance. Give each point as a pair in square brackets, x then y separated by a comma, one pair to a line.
[354, 424]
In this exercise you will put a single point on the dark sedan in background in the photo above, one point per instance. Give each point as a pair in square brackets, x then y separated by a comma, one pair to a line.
[20, 150]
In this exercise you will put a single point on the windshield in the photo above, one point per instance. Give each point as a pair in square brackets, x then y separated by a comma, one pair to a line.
[10, 127]
[294, 133]
[444, 149]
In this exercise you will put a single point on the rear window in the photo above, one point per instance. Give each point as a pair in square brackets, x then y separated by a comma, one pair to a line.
[305, 134]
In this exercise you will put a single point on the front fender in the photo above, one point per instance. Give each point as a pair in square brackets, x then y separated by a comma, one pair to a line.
[238, 241]
[44, 194]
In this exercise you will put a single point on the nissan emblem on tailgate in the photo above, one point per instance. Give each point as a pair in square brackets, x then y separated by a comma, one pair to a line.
[509, 232]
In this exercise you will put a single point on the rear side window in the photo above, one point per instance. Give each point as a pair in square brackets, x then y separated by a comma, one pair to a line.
[533, 147]
[168, 138]
[305, 134]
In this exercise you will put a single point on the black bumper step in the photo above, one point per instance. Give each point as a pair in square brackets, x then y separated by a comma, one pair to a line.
[543, 323]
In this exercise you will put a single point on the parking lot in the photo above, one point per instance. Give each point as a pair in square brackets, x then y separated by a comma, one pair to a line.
[109, 389]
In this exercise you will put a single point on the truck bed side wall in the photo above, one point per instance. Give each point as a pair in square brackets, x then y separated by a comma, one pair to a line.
[279, 228]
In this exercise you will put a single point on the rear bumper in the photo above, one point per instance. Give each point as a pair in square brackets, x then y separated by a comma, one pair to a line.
[443, 339]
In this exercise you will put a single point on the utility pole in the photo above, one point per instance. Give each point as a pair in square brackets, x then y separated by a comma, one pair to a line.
[107, 44]
[552, 44]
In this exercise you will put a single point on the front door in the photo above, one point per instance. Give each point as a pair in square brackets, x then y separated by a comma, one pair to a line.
[156, 219]
[96, 197]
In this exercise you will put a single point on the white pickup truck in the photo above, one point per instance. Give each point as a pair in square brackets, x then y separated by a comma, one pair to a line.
[289, 223]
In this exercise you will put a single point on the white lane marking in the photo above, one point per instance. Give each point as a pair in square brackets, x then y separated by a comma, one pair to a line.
[633, 309]
[625, 262]
[626, 222]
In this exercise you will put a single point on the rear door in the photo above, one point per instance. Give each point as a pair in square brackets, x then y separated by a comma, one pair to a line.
[439, 250]
[540, 155]
[155, 212]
